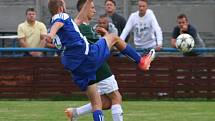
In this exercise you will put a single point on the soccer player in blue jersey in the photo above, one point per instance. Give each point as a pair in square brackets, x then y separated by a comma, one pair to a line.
[83, 59]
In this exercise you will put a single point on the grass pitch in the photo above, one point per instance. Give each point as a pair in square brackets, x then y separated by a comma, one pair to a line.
[133, 111]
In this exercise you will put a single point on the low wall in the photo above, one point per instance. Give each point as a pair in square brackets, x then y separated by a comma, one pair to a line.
[171, 77]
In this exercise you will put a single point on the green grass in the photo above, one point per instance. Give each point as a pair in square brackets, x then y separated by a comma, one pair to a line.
[133, 110]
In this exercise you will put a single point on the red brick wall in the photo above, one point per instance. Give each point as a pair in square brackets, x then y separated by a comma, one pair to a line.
[172, 77]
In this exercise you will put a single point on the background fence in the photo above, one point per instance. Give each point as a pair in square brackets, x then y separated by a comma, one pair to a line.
[169, 77]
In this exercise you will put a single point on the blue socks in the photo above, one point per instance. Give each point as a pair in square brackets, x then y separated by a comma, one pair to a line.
[131, 53]
[98, 115]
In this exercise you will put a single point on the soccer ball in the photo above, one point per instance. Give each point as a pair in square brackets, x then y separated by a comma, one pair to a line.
[184, 43]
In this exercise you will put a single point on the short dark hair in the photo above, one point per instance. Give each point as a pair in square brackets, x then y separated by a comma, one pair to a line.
[106, 16]
[30, 9]
[103, 16]
[110, 1]
[180, 16]
[80, 4]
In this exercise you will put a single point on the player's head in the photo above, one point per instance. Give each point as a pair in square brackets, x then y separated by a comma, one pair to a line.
[92, 10]
[31, 15]
[56, 6]
[110, 6]
[80, 4]
[103, 21]
[142, 7]
[182, 21]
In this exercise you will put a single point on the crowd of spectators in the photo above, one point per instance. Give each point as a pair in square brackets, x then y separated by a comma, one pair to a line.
[142, 24]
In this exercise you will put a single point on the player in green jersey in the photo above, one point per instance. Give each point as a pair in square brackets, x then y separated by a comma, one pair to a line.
[107, 84]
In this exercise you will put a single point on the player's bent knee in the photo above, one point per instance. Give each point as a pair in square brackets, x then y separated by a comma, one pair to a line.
[115, 97]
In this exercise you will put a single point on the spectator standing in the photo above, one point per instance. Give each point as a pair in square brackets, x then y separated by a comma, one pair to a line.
[31, 33]
[147, 32]
[184, 27]
[118, 20]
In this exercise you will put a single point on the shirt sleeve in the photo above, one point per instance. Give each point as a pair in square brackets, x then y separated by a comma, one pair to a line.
[175, 32]
[193, 32]
[61, 17]
[112, 29]
[127, 29]
[157, 30]
[20, 32]
[58, 20]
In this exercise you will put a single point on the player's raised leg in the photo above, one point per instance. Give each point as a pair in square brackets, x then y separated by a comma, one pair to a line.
[143, 62]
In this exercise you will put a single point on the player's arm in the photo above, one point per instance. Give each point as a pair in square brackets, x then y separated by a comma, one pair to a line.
[82, 15]
[56, 26]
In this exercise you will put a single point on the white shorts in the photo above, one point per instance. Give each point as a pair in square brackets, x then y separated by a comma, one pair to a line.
[107, 85]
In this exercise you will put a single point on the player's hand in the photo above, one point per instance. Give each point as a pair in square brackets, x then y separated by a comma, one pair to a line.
[49, 43]
[48, 39]
[102, 31]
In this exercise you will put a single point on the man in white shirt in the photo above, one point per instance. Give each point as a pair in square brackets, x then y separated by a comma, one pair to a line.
[147, 32]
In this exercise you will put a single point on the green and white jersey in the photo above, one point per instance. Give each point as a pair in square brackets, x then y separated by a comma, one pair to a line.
[104, 71]
[88, 32]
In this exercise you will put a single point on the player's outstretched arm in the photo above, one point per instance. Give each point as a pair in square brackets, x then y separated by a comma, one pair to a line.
[82, 15]
[55, 28]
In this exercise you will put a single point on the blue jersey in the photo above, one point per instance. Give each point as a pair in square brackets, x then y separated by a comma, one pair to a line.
[78, 56]
[73, 44]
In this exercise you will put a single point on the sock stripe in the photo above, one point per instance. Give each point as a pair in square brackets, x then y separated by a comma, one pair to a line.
[100, 118]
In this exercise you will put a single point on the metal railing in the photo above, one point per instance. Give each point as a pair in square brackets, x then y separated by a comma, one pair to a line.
[14, 48]
[17, 49]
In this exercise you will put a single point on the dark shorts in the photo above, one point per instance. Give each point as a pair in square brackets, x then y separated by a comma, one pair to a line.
[86, 71]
